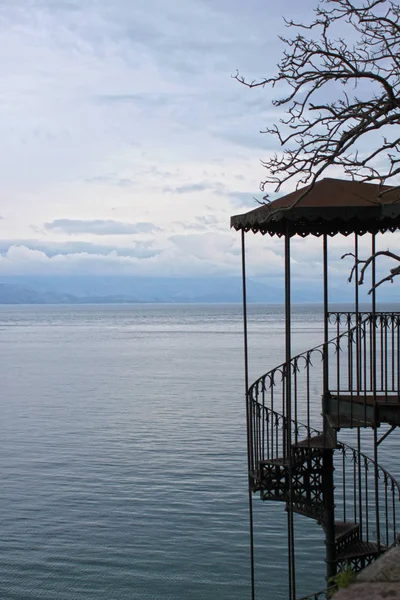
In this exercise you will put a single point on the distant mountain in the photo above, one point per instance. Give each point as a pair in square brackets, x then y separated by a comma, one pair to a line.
[111, 289]
[150, 289]
[11, 293]
[116, 290]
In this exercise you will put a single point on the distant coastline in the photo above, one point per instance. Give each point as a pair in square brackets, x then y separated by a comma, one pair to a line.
[115, 290]
[15, 293]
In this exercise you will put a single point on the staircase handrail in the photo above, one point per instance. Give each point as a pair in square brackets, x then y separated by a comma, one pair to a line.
[306, 353]
[368, 464]
[270, 432]
[346, 447]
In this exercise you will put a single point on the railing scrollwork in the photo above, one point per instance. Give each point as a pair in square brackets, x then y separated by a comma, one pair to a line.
[353, 371]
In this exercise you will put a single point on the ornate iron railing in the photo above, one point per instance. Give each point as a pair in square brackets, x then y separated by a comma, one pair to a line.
[359, 366]
[372, 352]
[356, 498]
[358, 501]
[362, 362]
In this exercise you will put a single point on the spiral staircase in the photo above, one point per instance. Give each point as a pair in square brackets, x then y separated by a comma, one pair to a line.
[349, 386]
[297, 458]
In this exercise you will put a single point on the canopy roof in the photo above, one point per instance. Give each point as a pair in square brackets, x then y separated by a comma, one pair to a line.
[331, 206]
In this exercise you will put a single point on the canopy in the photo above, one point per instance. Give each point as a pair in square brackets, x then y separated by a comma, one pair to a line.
[331, 206]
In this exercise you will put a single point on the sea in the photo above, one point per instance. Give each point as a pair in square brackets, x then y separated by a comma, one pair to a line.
[123, 454]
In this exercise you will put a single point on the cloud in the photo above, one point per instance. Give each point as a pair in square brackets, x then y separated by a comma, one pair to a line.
[144, 102]
[172, 261]
[199, 223]
[99, 227]
[189, 188]
[206, 246]
[112, 180]
[50, 249]
[248, 199]
[190, 254]
[207, 220]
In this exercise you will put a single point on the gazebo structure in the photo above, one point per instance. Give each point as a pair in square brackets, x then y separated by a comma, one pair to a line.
[294, 454]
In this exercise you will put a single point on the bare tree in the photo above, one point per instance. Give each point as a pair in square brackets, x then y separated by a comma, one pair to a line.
[342, 104]
[342, 72]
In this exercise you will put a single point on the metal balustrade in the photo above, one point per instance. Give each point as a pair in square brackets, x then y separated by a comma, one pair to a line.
[350, 382]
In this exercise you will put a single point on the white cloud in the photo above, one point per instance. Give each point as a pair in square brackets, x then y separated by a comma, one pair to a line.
[20, 260]
[99, 227]
[198, 254]
[139, 249]
[121, 118]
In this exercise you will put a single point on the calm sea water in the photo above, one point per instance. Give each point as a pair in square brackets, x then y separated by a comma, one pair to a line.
[123, 465]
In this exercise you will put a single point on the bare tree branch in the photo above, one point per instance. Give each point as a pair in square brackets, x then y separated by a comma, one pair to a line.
[341, 106]
[326, 123]
[392, 273]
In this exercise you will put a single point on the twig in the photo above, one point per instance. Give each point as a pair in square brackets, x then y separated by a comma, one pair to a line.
[393, 272]
[318, 131]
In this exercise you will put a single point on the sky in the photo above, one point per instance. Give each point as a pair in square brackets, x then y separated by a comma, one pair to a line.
[127, 144]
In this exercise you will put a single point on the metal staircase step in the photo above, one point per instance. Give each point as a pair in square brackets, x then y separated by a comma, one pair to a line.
[346, 534]
[312, 511]
[368, 398]
[389, 412]
[362, 410]
[344, 422]
[278, 462]
[345, 529]
[359, 549]
[344, 410]
[273, 479]
[322, 441]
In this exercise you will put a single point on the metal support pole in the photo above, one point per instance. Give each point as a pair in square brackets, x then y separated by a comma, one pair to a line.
[358, 346]
[326, 332]
[374, 367]
[329, 513]
[248, 416]
[326, 286]
[288, 420]
[328, 469]
[288, 346]
[373, 276]
[357, 311]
